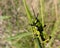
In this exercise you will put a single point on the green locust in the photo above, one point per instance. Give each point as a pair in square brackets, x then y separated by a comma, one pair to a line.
[39, 33]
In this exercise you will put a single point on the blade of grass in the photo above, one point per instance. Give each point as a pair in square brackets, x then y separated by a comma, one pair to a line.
[29, 14]
[41, 16]
[42, 11]
[5, 17]
[37, 43]
[55, 26]
[21, 35]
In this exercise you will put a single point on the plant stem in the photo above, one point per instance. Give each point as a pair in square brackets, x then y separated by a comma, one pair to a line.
[42, 11]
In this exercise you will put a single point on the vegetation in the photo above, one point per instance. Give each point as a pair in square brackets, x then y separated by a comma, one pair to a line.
[28, 30]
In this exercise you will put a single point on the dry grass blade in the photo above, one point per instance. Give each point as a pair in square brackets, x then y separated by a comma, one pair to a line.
[56, 24]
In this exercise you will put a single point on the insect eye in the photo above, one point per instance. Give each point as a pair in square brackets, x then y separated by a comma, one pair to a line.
[44, 25]
[36, 35]
[50, 37]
